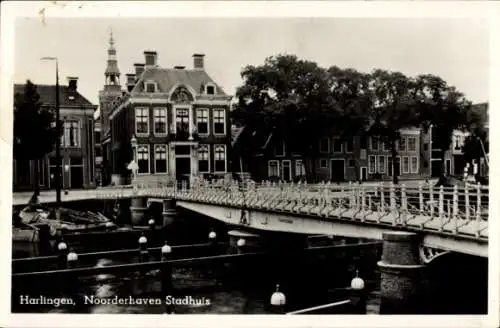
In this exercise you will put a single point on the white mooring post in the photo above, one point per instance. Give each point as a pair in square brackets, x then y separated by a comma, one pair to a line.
[382, 197]
[392, 198]
[467, 202]
[420, 198]
[441, 206]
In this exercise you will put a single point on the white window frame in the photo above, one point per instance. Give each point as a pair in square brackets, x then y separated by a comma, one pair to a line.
[326, 161]
[408, 144]
[206, 110]
[146, 83]
[269, 168]
[174, 114]
[381, 168]
[210, 84]
[283, 171]
[78, 139]
[149, 158]
[164, 109]
[403, 140]
[225, 158]
[166, 158]
[299, 163]
[198, 157]
[283, 148]
[341, 146]
[403, 164]
[372, 170]
[147, 121]
[328, 145]
[371, 143]
[224, 121]
[417, 159]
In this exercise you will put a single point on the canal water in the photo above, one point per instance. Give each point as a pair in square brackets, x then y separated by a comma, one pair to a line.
[216, 289]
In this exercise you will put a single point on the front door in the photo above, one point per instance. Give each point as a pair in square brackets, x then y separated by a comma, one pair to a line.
[76, 177]
[337, 168]
[364, 173]
[436, 168]
[287, 170]
[448, 166]
[182, 168]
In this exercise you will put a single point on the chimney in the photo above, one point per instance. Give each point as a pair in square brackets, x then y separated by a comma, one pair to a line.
[179, 67]
[139, 68]
[150, 57]
[198, 61]
[72, 83]
[130, 81]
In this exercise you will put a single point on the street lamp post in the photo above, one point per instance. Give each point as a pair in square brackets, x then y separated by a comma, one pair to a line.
[133, 143]
[58, 142]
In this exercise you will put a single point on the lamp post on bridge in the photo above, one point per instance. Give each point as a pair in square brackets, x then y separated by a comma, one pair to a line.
[133, 166]
[58, 142]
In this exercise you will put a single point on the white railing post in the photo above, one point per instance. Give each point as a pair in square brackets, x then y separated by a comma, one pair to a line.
[467, 202]
[420, 198]
[455, 207]
[392, 198]
[382, 197]
[363, 198]
[441, 206]
[404, 204]
[478, 210]
[431, 200]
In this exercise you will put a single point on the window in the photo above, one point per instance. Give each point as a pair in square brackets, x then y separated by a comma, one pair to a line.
[401, 144]
[142, 120]
[72, 134]
[381, 164]
[210, 90]
[323, 163]
[143, 158]
[279, 149]
[150, 87]
[406, 164]
[203, 158]
[373, 143]
[414, 164]
[351, 163]
[219, 121]
[160, 120]
[457, 142]
[299, 168]
[426, 146]
[181, 120]
[384, 144]
[372, 164]
[324, 145]
[161, 159]
[220, 158]
[202, 121]
[412, 144]
[349, 145]
[337, 145]
[273, 169]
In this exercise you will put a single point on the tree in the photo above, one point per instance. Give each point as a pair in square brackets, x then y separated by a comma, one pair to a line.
[289, 98]
[445, 109]
[476, 145]
[34, 132]
[394, 106]
[352, 97]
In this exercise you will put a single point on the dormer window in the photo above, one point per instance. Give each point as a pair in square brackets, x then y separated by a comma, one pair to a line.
[71, 97]
[150, 87]
[210, 89]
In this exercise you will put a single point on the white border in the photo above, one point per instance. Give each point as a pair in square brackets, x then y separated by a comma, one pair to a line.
[405, 9]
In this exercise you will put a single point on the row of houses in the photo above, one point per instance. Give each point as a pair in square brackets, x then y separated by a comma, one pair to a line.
[174, 123]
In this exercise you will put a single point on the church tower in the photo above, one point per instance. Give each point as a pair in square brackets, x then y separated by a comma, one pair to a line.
[111, 94]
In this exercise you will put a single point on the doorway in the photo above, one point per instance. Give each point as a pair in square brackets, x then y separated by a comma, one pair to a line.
[182, 168]
[364, 173]
[448, 166]
[337, 169]
[436, 168]
[76, 177]
[287, 170]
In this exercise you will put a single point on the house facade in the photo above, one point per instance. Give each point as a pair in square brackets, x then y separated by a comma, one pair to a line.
[77, 142]
[172, 123]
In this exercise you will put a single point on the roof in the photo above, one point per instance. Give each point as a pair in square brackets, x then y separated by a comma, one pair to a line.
[167, 78]
[48, 95]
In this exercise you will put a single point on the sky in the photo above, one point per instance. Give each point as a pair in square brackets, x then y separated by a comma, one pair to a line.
[457, 49]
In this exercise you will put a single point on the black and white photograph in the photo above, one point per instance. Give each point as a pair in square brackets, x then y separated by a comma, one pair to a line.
[244, 162]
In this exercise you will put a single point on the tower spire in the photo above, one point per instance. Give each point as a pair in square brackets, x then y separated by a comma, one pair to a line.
[112, 72]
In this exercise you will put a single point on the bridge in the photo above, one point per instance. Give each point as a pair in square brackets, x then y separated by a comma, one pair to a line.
[447, 219]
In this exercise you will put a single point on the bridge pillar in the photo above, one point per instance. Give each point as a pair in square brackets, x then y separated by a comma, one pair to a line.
[137, 210]
[169, 211]
[401, 271]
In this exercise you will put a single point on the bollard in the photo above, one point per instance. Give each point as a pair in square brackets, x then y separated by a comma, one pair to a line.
[358, 295]
[278, 301]
[71, 258]
[62, 250]
[212, 239]
[152, 226]
[143, 248]
[241, 245]
[109, 225]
